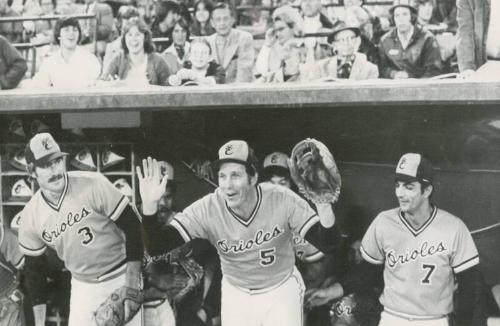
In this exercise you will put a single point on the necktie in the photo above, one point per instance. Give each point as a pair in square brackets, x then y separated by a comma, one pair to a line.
[344, 71]
[180, 51]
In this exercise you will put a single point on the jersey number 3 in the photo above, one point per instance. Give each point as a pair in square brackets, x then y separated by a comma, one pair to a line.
[267, 256]
[430, 269]
[86, 234]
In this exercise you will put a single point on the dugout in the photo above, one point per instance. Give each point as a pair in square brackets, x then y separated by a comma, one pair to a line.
[367, 127]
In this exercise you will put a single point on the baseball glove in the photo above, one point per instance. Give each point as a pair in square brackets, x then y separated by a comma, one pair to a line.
[120, 307]
[314, 171]
[172, 280]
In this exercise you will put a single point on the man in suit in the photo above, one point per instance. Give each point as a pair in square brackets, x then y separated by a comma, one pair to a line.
[478, 35]
[348, 63]
[232, 49]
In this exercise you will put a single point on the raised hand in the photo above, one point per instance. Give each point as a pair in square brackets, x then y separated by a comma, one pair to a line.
[151, 185]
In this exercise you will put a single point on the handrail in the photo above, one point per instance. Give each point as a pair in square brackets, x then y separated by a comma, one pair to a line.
[37, 18]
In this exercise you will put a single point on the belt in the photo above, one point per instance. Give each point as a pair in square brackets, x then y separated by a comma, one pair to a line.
[263, 290]
[413, 317]
[493, 59]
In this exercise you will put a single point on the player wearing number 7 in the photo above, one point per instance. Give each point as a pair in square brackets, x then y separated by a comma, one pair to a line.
[251, 226]
[90, 225]
[422, 249]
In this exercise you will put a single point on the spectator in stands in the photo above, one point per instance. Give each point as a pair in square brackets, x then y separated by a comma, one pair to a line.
[69, 7]
[200, 69]
[176, 54]
[12, 31]
[445, 12]
[408, 51]
[314, 22]
[348, 63]
[233, 49]
[360, 17]
[167, 14]
[12, 65]
[103, 18]
[41, 30]
[138, 64]
[113, 49]
[478, 35]
[291, 65]
[201, 25]
[70, 66]
[427, 19]
[275, 47]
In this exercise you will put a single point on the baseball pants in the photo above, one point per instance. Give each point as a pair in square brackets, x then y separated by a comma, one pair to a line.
[11, 313]
[160, 314]
[280, 305]
[387, 319]
[87, 297]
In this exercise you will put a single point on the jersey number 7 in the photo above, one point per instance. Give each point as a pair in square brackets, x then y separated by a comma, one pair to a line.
[427, 278]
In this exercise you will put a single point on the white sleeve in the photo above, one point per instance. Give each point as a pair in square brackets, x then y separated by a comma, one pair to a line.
[262, 62]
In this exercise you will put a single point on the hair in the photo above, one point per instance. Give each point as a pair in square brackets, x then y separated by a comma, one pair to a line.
[163, 8]
[413, 15]
[279, 171]
[202, 40]
[54, 3]
[64, 22]
[144, 29]
[361, 15]
[182, 22]
[127, 12]
[286, 19]
[209, 6]
[224, 5]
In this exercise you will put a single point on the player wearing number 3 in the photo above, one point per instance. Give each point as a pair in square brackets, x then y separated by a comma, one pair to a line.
[90, 225]
[251, 227]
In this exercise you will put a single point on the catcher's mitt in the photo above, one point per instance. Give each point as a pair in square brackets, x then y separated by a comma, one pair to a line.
[120, 307]
[313, 169]
[172, 280]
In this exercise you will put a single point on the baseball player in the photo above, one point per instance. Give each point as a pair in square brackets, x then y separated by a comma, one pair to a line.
[90, 225]
[251, 226]
[11, 260]
[422, 249]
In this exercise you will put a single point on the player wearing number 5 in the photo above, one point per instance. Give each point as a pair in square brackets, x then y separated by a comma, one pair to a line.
[251, 226]
[422, 249]
[90, 225]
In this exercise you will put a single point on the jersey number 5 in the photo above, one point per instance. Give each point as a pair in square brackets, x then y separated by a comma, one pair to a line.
[427, 278]
[87, 235]
[267, 256]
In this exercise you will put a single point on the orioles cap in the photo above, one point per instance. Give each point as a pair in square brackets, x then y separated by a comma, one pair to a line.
[20, 190]
[166, 168]
[110, 158]
[276, 159]
[18, 160]
[236, 151]
[42, 148]
[83, 160]
[123, 186]
[414, 167]
[16, 221]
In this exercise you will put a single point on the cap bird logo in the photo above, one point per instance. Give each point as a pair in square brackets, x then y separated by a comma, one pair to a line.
[274, 158]
[402, 164]
[47, 144]
[229, 150]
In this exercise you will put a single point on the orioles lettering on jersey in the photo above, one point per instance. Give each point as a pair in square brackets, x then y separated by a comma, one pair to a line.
[258, 240]
[71, 220]
[393, 258]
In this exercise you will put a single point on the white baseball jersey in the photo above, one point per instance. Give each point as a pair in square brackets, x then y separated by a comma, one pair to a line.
[80, 227]
[419, 264]
[305, 251]
[256, 253]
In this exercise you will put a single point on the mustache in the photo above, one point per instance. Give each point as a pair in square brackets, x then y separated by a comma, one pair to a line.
[56, 177]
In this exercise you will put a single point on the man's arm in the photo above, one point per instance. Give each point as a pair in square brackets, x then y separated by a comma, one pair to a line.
[465, 37]
[324, 235]
[469, 289]
[16, 65]
[36, 283]
[432, 58]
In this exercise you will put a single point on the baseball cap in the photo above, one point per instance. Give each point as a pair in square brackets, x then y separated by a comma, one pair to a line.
[236, 151]
[41, 149]
[414, 167]
[166, 168]
[276, 159]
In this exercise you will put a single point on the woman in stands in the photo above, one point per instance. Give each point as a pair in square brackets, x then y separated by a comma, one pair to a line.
[138, 64]
[202, 13]
[274, 50]
[200, 69]
[176, 54]
[71, 66]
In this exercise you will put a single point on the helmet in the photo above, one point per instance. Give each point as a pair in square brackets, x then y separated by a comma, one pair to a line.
[411, 4]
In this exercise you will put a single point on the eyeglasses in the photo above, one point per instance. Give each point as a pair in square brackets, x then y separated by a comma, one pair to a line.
[346, 39]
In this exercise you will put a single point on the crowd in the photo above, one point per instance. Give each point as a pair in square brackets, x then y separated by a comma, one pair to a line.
[168, 43]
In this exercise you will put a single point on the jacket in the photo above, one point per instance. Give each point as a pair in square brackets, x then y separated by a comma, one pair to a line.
[361, 68]
[239, 56]
[473, 18]
[156, 70]
[421, 59]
